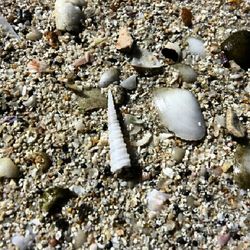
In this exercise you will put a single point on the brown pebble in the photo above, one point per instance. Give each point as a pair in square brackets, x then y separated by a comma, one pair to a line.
[233, 125]
[53, 242]
[125, 41]
[186, 16]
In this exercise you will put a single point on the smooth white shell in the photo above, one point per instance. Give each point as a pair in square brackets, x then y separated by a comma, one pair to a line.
[68, 14]
[155, 200]
[196, 46]
[108, 77]
[8, 168]
[119, 157]
[180, 113]
[129, 83]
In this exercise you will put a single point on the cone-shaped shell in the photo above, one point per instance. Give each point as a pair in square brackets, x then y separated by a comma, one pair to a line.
[119, 157]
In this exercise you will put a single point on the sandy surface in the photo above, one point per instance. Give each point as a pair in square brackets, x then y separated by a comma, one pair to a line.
[41, 120]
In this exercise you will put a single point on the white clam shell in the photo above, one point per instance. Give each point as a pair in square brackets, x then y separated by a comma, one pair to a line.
[68, 15]
[129, 83]
[119, 157]
[108, 77]
[180, 113]
[8, 168]
[155, 200]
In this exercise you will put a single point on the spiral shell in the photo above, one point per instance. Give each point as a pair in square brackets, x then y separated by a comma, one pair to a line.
[119, 157]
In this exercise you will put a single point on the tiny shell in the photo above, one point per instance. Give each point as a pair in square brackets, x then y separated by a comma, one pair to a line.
[145, 62]
[108, 77]
[187, 73]
[172, 51]
[156, 200]
[144, 140]
[34, 35]
[8, 168]
[119, 157]
[129, 83]
[180, 113]
[36, 66]
[196, 46]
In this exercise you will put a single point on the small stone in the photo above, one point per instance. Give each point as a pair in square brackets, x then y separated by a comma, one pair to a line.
[31, 102]
[79, 125]
[170, 225]
[168, 172]
[108, 77]
[178, 154]
[186, 16]
[233, 125]
[196, 46]
[92, 99]
[8, 168]
[226, 166]
[186, 72]
[34, 35]
[129, 83]
[125, 41]
[80, 239]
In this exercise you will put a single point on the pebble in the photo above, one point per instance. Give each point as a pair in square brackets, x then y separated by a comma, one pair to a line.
[8, 168]
[196, 46]
[233, 125]
[110, 76]
[34, 35]
[178, 154]
[125, 40]
[80, 239]
[168, 172]
[79, 125]
[186, 72]
[129, 83]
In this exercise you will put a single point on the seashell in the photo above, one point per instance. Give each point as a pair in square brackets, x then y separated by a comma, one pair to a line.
[172, 51]
[36, 66]
[155, 200]
[145, 62]
[187, 73]
[4, 24]
[236, 47]
[8, 168]
[196, 46]
[108, 77]
[119, 157]
[125, 41]
[144, 140]
[180, 113]
[31, 102]
[129, 83]
[68, 14]
[242, 170]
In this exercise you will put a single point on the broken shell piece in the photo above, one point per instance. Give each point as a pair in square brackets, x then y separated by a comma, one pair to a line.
[186, 72]
[196, 46]
[180, 112]
[36, 66]
[233, 124]
[144, 140]
[68, 14]
[119, 157]
[125, 41]
[156, 200]
[34, 35]
[145, 62]
[242, 171]
[8, 168]
[186, 16]
[108, 77]
[83, 60]
[172, 51]
[129, 83]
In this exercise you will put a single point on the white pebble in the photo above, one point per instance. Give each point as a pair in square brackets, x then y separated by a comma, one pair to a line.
[8, 168]
[156, 200]
[129, 83]
[196, 46]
